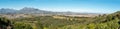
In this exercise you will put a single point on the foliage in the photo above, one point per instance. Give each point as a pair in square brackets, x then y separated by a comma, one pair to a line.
[106, 21]
[20, 25]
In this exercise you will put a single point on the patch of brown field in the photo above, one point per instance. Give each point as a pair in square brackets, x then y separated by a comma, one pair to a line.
[89, 15]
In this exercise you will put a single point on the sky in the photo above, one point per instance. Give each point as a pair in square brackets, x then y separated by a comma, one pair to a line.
[81, 6]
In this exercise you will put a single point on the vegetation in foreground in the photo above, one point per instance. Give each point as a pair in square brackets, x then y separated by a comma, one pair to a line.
[110, 21]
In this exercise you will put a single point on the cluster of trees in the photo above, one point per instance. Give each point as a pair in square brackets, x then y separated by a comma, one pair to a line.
[5, 23]
[109, 21]
[22, 25]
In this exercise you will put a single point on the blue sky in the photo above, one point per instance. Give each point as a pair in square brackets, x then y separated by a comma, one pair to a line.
[88, 6]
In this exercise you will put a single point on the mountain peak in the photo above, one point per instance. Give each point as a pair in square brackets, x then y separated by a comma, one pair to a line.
[29, 9]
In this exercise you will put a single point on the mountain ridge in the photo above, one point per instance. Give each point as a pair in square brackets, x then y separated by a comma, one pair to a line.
[28, 10]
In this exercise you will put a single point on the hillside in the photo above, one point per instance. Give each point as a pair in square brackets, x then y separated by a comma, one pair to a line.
[109, 21]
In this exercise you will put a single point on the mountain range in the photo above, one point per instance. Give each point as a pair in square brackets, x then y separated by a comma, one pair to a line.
[28, 10]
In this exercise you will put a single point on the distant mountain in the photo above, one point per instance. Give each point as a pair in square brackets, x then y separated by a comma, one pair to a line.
[7, 11]
[28, 10]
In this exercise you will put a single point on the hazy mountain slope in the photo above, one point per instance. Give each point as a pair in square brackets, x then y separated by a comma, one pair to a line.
[7, 11]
